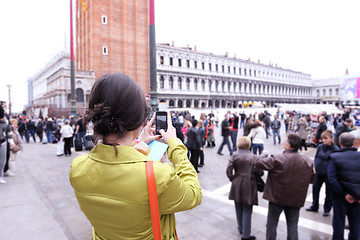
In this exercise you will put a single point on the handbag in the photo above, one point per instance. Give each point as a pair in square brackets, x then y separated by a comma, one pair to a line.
[259, 182]
[15, 149]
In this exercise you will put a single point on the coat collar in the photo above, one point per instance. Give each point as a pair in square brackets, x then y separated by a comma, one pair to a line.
[125, 154]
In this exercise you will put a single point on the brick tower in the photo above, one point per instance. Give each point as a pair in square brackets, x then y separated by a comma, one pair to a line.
[113, 36]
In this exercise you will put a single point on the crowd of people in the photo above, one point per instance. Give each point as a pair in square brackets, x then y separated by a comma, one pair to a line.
[16, 130]
[336, 162]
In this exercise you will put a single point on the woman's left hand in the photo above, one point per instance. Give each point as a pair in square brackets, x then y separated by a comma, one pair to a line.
[148, 133]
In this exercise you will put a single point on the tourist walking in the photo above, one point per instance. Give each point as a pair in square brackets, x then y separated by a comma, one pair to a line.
[209, 134]
[201, 130]
[275, 126]
[49, 125]
[225, 133]
[267, 121]
[241, 173]
[321, 160]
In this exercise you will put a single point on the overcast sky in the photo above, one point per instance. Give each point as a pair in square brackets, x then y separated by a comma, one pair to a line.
[321, 38]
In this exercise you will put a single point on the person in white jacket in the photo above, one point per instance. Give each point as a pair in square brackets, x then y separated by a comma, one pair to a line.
[258, 136]
[67, 133]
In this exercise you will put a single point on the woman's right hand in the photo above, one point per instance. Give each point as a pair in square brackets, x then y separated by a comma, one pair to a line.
[171, 132]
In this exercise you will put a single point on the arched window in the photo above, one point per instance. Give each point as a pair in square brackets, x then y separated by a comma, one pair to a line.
[171, 103]
[217, 85]
[179, 83]
[210, 85]
[171, 83]
[161, 82]
[229, 86]
[188, 103]
[79, 95]
[188, 83]
[324, 92]
[203, 84]
[196, 84]
[180, 103]
[223, 86]
[337, 91]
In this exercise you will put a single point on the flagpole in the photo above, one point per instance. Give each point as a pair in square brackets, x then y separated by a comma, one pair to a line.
[73, 111]
[152, 52]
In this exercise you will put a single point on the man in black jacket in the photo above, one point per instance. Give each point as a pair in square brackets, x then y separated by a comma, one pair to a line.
[341, 128]
[225, 132]
[344, 180]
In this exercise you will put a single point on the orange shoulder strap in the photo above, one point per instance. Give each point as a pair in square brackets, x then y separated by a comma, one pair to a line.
[154, 205]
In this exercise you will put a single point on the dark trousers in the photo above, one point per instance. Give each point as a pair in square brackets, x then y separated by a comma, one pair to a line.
[233, 139]
[201, 155]
[243, 216]
[6, 167]
[320, 179]
[303, 144]
[257, 147]
[194, 158]
[292, 219]
[82, 136]
[40, 134]
[67, 146]
[227, 142]
[28, 132]
[22, 133]
[341, 209]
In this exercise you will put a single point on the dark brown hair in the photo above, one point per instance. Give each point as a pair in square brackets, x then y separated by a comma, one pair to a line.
[117, 105]
[294, 140]
[327, 134]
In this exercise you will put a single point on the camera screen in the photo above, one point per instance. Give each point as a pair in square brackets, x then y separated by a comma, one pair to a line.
[161, 123]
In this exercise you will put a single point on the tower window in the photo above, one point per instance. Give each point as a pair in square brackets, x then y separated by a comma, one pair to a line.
[188, 63]
[105, 50]
[179, 62]
[104, 19]
[171, 61]
[161, 60]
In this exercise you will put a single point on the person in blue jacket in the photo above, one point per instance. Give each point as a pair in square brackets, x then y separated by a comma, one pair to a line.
[344, 180]
[322, 158]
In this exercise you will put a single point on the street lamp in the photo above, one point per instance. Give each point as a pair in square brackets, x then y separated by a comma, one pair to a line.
[9, 87]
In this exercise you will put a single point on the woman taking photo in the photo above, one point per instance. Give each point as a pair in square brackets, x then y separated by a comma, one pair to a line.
[110, 182]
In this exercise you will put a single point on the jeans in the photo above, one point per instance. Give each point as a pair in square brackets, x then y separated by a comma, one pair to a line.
[292, 219]
[256, 146]
[276, 132]
[242, 122]
[243, 216]
[341, 209]
[320, 179]
[82, 136]
[227, 142]
[48, 135]
[267, 131]
[28, 132]
[233, 139]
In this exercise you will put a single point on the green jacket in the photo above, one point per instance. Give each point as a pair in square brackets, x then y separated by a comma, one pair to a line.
[112, 190]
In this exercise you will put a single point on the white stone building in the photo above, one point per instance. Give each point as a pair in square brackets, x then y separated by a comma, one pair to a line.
[51, 88]
[192, 79]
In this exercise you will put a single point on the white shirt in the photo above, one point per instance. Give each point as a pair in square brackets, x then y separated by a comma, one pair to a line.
[259, 134]
[66, 131]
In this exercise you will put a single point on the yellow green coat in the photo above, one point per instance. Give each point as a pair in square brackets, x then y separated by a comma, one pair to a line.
[112, 190]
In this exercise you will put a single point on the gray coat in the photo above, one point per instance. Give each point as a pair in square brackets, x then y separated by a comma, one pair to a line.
[301, 128]
[243, 183]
